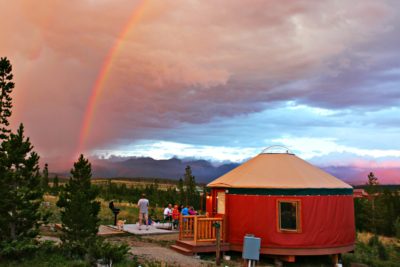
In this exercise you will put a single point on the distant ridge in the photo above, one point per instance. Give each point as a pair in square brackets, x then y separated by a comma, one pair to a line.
[173, 168]
[206, 171]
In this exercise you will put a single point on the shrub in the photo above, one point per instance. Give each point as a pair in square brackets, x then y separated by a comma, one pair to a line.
[374, 253]
[18, 249]
[377, 245]
[26, 248]
[397, 227]
[107, 252]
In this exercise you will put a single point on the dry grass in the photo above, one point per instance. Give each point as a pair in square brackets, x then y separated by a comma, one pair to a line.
[134, 183]
[129, 212]
[365, 237]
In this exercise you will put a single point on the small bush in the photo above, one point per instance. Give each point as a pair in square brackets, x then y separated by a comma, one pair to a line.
[107, 252]
[373, 253]
[382, 253]
[397, 227]
[18, 249]
[374, 241]
[378, 246]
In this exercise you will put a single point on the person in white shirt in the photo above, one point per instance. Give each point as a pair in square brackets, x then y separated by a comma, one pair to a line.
[168, 213]
[143, 206]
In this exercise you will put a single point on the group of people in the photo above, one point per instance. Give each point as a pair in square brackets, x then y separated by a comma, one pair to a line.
[171, 214]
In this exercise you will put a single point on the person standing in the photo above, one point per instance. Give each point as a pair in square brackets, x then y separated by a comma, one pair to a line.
[143, 205]
[175, 216]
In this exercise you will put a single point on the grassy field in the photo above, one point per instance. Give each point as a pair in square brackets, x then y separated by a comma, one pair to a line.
[129, 212]
[141, 183]
[135, 182]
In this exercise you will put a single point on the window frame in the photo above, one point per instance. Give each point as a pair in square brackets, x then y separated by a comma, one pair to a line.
[298, 216]
[217, 202]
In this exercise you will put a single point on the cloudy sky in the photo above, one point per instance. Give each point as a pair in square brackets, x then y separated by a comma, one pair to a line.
[219, 80]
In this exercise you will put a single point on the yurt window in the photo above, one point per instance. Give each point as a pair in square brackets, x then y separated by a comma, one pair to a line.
[221, 202]
[289, 215]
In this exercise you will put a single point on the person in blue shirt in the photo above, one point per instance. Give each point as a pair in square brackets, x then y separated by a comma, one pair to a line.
[185, 211]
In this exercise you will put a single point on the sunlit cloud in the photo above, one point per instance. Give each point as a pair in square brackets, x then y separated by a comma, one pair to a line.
[316, 147]
[167, 150]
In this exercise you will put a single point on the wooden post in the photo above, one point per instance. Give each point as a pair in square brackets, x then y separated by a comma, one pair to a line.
[223, 228]
[218, 245]
[195, 230]
[201, 201]
[180, 227]
[335, 260]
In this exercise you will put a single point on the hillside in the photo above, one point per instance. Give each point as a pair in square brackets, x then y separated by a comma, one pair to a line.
[172, 168]
[205, 171]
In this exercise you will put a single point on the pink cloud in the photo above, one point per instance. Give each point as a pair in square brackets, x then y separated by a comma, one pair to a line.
[184, 62]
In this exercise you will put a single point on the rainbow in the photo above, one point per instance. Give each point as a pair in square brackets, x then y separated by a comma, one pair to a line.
[104, 74]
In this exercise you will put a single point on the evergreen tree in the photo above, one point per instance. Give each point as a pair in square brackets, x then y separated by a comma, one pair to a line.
[6, 87]
[181, 190]
[56, 185]
[79, 214]
[372, 188]
[362, 214]
[192, 196]
[372, 183]
[45, 178]
[20, 188]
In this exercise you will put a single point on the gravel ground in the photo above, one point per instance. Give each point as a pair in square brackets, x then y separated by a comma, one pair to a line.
[166, 256]
[155, 249]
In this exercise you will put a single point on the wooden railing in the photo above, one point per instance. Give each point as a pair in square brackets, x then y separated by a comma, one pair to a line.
[186, 227]
[200, 228]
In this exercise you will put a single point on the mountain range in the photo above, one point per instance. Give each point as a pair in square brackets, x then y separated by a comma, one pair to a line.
[206, 171]
[173, 168]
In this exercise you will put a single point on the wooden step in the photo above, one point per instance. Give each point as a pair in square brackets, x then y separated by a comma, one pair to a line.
[198, 247]
[183, 244]
[182, 250]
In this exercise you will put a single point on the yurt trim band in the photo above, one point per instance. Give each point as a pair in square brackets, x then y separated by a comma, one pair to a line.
[291, 191]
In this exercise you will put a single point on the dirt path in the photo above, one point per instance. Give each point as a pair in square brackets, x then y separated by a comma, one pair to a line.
[153, 252]
[157, 249]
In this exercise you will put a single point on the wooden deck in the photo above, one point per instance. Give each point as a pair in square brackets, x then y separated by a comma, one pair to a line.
[106, 230]
[199, 234]
[189, 247]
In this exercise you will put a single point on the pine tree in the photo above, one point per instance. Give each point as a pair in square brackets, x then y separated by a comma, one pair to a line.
[6, 87]
[45, 178]
[372, 188]
[56, 182]
[372, 179]
[79, 214]
[191, 192]
[20, 188]
[181, 190]
[372, 183]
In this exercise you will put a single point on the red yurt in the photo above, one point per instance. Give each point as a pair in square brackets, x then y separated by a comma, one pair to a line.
[293, 206]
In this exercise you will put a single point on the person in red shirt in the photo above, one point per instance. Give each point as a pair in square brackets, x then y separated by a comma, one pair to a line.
[175, 216]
